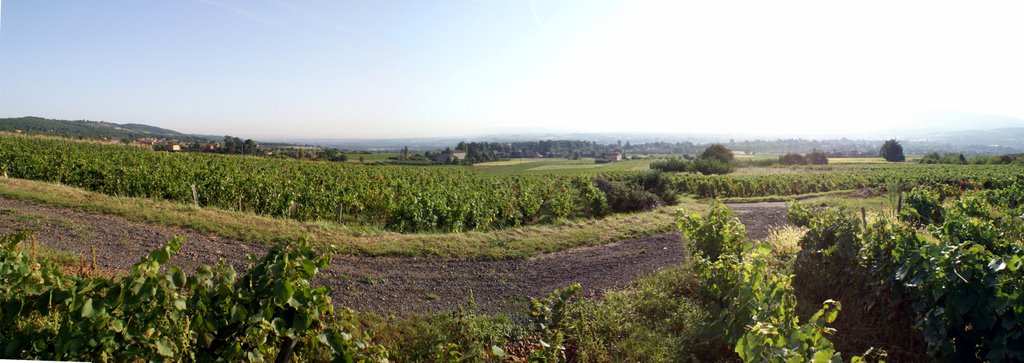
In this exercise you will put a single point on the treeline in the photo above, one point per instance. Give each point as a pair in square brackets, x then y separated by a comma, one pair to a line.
[952, 158]
[478, 152]
[813, 158]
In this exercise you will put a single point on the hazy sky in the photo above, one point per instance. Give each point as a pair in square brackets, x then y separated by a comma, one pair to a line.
[370, 68]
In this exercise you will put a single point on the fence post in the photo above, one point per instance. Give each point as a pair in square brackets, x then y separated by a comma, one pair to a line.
[864, 217]
[341, 210]
[195, 195]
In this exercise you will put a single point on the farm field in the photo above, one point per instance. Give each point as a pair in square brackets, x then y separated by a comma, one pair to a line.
[481, 292]
[563, 167]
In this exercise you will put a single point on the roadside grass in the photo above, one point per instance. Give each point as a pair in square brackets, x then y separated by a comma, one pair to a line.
[498, 244]
[785, 198]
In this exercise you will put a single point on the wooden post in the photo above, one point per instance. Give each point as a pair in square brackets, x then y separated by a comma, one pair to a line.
[291, 209]
[195, 195]
[341, 210]
[899, 204]
[864, 217]
[33, 248]
[92, 266]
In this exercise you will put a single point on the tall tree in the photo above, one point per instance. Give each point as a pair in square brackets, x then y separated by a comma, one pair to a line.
[892, 151]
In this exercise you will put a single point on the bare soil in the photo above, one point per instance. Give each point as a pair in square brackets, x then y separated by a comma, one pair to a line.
[384, 285]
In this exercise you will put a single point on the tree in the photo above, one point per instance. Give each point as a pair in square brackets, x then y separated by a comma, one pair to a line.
[249, 147]
[892, 151]
[718, 152]
[792, 159]
[817, 158]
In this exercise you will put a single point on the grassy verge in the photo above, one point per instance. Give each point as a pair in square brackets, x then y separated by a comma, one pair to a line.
[510, 243]
[785, 198]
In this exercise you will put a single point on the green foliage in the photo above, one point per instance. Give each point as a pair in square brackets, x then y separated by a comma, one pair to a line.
[959, 177]
[717, 152]
[711, 236]
[922, 207]
[793, 159]
[966, 288]
[757, 304]
[674, 164]
[833, 233]
[407, 199]
[550, 321]
[817, 158]
[892, 151]
[627, 197]
[157, 312]
[712, 166]
[948, 158]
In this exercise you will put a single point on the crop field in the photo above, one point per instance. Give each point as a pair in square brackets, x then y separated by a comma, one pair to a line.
[563, 167]
[932, 267]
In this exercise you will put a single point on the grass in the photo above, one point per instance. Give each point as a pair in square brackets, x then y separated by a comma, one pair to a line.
[784, 198]
[499, 244]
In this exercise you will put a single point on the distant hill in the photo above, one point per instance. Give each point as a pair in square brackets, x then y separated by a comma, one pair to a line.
[94, 129]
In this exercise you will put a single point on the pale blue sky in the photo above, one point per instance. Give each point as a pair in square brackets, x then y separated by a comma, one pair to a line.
[371, 68]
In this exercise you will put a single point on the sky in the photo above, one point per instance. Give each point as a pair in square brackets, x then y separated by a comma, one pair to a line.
[438, 68]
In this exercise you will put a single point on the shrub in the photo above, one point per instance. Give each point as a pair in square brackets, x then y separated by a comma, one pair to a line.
[712, 166]
[792, 159]
[922, 207]
[625, 197]
[817, 158]
[672, 165]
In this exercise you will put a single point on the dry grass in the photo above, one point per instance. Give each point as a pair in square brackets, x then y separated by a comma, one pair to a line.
[785, 240]
[509, 243]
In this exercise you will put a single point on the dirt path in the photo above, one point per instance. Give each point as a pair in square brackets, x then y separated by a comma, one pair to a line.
[386, 285]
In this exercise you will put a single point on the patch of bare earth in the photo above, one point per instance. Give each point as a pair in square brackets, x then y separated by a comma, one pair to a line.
[385, 285]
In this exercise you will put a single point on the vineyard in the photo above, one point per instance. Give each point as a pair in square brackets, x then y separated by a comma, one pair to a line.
[948, 268]
[412, 199]
[406, 199]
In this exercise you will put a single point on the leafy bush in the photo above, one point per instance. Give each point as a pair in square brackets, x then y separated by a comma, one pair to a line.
[625, 197]
[757, 305]
[717, 152]
[153, 315]
[817, 158]
[793, 159]
[717, 233]
[922, 207]
[967, 288]
[712, 166]
[672, 165]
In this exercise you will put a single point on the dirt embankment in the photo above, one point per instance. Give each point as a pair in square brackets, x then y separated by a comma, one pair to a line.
[386, 285]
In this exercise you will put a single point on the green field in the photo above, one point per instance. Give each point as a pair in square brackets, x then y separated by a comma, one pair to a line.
[369, 157]
[562, 167]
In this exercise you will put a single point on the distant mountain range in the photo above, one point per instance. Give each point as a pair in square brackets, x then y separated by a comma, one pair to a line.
[1004, 140]
[95, 129]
